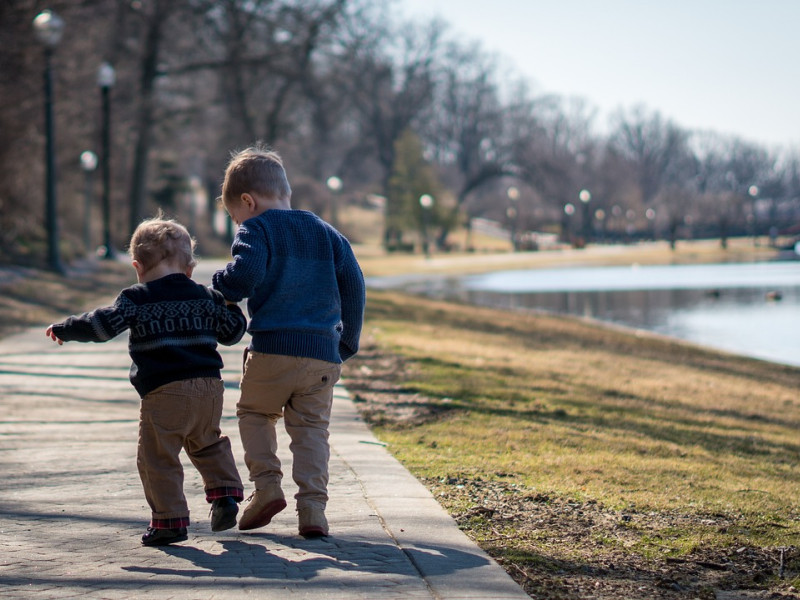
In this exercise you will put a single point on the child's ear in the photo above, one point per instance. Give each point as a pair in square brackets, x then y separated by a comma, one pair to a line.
[139, 267]
[248, 200]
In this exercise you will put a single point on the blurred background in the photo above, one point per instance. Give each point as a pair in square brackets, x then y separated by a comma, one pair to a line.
[397, 121]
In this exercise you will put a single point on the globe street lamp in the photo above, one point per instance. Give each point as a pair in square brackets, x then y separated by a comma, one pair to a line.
[569, 210]
[106, 78]
[752, 191]
[650, 215]
[616, 215]
[513, 214]
[88, 165]
[426, 202]
[48, 28]
[600, 216]
[335, 185]
[585, 197]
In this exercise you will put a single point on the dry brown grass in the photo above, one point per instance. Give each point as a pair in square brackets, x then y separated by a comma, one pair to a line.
[697, 449]
[38, 297]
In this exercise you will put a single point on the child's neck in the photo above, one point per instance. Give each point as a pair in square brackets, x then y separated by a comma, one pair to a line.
[160, 270]
[275, 204]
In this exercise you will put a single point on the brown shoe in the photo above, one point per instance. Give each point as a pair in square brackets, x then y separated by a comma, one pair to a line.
[264, 504]
[312, 522]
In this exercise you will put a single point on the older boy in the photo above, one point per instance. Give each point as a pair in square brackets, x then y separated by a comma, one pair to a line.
[174, 326]
[306, 299]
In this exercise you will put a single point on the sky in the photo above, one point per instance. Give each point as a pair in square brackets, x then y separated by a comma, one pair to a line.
[729, 66]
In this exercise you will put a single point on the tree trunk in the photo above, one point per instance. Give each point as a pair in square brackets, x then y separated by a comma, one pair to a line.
[144, 121]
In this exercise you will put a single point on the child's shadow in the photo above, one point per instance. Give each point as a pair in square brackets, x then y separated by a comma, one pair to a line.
[246, 559]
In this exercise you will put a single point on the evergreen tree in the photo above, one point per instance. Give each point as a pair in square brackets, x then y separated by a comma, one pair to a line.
[411, 178]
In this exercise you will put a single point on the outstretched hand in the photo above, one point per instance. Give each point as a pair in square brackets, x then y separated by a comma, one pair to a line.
[49, 333]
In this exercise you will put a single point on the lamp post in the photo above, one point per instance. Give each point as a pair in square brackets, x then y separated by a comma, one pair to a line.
[616, 214]
[88, 165]
[335, 185]
[48, 28]
[752, 220]
[600, 216]
[426, 202]
[585, 197]
[569, 210]
[630, 227]
[513, 214]
[106, 77]
[650, 215]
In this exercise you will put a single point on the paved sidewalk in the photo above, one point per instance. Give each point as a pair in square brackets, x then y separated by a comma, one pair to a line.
[72, 509]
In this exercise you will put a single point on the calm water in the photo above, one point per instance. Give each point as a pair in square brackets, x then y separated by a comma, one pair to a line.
[732, 307]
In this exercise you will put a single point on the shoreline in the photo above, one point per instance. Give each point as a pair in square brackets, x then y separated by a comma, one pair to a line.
[438, 271]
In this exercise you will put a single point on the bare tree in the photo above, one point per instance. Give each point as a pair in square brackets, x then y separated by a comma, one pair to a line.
[653, 146]
[153, 17]
[658, 152]
[391, 80]
[467, 126]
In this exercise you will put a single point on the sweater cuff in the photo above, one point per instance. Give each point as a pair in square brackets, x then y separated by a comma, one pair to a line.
[218, 283]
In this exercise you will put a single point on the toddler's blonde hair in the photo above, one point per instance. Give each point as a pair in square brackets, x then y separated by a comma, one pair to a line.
[159, 239]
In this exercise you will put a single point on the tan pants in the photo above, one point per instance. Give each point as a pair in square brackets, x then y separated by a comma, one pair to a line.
[183, 414]
[300, 390]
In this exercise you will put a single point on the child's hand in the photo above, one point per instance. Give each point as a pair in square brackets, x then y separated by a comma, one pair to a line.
[49, 333]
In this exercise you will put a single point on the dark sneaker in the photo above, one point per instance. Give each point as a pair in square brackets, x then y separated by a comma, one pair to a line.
[163, 537]
[223, 513]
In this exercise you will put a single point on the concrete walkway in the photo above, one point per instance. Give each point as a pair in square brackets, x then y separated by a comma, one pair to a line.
[72, 510]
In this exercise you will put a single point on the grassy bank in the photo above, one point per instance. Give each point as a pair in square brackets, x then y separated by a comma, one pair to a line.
[31, 297]
[581, 455]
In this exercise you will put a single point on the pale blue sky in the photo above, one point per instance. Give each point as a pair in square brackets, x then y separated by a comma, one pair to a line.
[732, 66]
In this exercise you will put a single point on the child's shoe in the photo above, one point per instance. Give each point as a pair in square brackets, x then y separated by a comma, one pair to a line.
[163, 537]
[264, 504]
[223, 513]
[312, 522]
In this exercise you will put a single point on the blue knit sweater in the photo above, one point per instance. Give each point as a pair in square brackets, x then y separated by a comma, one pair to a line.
[174, 324]
[305, 290]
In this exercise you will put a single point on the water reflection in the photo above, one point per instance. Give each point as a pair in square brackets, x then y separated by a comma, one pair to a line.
[729, 307]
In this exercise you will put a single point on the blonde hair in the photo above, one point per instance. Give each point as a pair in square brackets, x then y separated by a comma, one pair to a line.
[159, 239]
[258, 170]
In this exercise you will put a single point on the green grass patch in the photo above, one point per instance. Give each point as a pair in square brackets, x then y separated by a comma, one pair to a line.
[704, 442]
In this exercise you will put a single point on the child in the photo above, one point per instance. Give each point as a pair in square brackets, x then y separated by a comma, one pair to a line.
[174, 325]
[306, 299]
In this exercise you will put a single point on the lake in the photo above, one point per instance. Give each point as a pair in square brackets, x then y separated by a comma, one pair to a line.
[751, 309]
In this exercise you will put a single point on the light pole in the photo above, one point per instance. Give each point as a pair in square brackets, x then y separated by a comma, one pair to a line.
[569, 210]
[426, 202]
[600, 216]
[585, 197]
[106, 77]
[335, 185]
[752, 191]
[513, 214]
[48, 28]
[88, 165]
[630, 227]
[650, 215]
[616, 214]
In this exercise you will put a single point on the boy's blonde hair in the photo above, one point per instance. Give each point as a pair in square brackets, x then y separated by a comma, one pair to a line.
[255, 170]
[160, 239]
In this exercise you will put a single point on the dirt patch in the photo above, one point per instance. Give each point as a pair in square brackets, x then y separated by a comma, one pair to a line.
[558, 548]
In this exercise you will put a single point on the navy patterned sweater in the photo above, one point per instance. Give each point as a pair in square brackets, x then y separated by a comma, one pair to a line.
[174, 325]
[305, 290]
